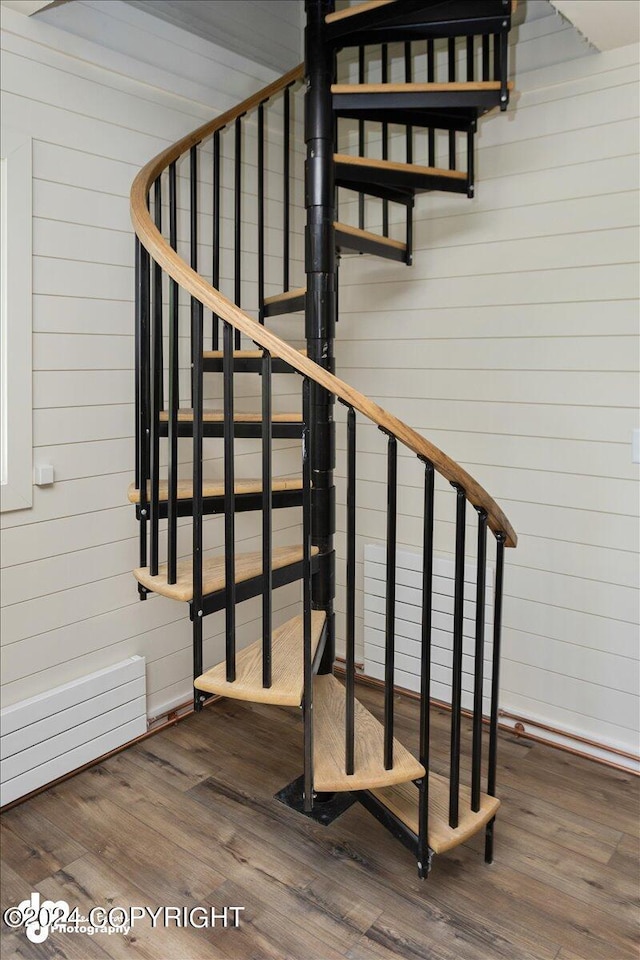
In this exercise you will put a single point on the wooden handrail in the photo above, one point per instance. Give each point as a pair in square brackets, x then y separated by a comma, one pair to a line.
[214, 300]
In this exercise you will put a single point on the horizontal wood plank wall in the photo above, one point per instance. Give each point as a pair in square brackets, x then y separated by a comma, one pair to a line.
[512, 344]
[96, 115]
[273, 37]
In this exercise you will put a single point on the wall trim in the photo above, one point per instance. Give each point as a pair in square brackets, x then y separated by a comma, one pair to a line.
[16, 400]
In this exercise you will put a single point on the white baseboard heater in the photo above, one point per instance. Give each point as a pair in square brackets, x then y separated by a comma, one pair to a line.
[49, 735]
[408, 622]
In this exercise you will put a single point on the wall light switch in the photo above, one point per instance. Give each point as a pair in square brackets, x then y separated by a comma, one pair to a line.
[635, 445]
[43, 475]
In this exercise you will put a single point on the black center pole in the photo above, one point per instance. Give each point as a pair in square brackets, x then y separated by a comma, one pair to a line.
[320, 323]
[321, 301]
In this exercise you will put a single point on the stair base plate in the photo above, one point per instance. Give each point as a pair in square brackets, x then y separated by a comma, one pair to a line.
[327, 807]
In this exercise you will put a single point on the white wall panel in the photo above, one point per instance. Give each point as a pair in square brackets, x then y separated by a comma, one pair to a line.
[96, 113]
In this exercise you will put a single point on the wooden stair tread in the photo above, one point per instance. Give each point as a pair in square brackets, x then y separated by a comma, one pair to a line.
[217, 416]
[366, 235]
[329, 745]
[367, 163]
[287, 666]
[248, 565]
[402, 800]
[242, 354]
[215, 488]
[287, 295]
[359, 8]
[368, 5]
[453, 87]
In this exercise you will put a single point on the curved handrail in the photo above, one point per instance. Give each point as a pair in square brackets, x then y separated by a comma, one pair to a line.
[214, 300]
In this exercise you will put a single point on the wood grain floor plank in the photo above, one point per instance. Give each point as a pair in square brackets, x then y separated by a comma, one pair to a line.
[578, 876]
[626, 858]
[179, 767]
[90, 882]
[193, 832]
[12, 885]
[591, 799]
[274, 934]
[34, 849]
[365, 863]
[150, 859]
[579, 835]
[15, 946]
[190, 815]
[545, 913]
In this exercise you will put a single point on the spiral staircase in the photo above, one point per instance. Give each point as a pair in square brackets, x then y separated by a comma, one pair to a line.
[415, 76]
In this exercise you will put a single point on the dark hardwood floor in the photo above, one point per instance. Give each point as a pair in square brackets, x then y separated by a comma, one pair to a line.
[188, 818]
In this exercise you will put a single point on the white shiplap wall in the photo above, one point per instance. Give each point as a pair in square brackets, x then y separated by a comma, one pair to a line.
[512, 344]
[96, 114]
[269, 33]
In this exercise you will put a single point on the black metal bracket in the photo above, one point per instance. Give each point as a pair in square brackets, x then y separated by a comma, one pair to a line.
[393, 824]
[245, 502]
[246, 364]
[278, 308]
[242, 429]
[480, 100]
[327, 807]
[246, 589]
[370, 243]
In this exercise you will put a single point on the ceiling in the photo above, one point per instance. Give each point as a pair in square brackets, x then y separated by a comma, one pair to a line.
[269, 33]
[606, 24]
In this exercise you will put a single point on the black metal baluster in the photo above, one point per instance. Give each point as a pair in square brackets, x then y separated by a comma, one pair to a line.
[196, 606]
[431, 75]
[504, 66]
[496, 56]
[456, 678]
[145, 262]
[174, 393]
[471, 129]
[361, 138]
[425, 669]
[137, 350]
[260, 173]
[266, 519]
[306, 589]
[197, 348]
[142, 361]
[156, 391]
[495, 689]
[351, 593]
[408, 67]
[485, 57]
[478, 673]
[193, 239]
[215, 267]
[237, 258]
[451, 56]
[336, 189]
[471, 159]
[285, 202]
[470, 59]
[385, 139]
[390, 617]
[229, 504]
